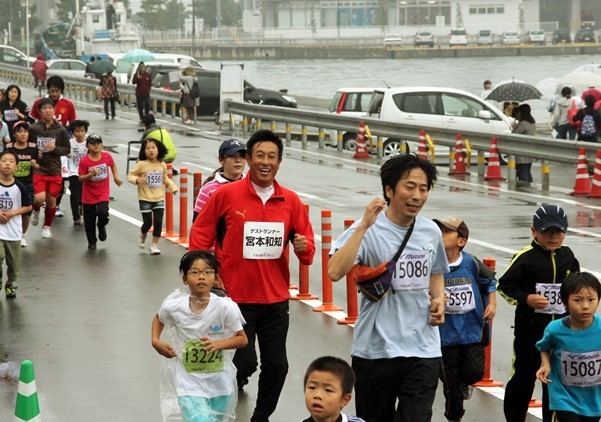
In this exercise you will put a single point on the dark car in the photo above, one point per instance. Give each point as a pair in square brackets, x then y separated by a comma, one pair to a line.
[561, 36]
[209, 82]
[586, 35]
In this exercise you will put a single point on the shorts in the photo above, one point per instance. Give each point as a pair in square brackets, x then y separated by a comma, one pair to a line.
[29, 191]
[53, 184]
[202, 409]
[147, 206]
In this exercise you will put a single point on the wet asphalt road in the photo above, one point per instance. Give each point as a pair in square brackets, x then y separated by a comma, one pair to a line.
[83, 317]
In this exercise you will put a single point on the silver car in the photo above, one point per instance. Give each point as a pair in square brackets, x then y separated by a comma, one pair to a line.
[69, 68]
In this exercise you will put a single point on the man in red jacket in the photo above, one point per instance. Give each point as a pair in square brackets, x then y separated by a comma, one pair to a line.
[251, 221]
[143, 85]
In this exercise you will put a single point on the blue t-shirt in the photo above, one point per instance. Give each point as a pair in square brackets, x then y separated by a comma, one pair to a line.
[399, 324]
[576, 359]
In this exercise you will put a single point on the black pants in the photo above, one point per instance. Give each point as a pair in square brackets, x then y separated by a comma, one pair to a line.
[143, 106]
[106, 106]
[563, 416]
[153, 218]
[518, 391]
[380, 382]
[75, 199]
[95, 214]
[461, 365]
[269, 324]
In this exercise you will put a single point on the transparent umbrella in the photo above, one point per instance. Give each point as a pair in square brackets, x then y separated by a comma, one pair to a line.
[138, 55]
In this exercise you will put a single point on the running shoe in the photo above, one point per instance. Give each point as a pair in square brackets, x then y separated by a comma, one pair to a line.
[46, 233]
[11, 291]
[154, 250]
[23, 242]
[102, 233]
[91, 245]
[58, 212]
[467, 391]
[77, 222]
[35, 218]
[142, 241]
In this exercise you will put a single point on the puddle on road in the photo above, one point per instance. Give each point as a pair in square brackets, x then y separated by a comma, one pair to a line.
[9, 371]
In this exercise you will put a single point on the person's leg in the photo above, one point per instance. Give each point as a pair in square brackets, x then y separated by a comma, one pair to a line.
[140, 106]
[102, 212]
[451, 382]
[39, 197]
[12, 252]
[272, 330]
[518, 390]
[112, 100]
[75, 199]
[245, 359]
[472, 364]
[89, 221]
[157, 224]
[146, 102]
[562, 131]
[106, 108]
[418, 389]
[53, 187]
[376, 387]
[521, 172]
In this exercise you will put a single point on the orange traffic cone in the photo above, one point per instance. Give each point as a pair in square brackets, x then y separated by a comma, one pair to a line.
[459, 165]
[361, 146]
[596, 188]
[582, 186]
[422, 149]
[493, 171]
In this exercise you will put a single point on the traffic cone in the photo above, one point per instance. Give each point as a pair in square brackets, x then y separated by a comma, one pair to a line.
[27, 408]
[582, 186]
[596, 187]
[422, 148]
[493, 170]
[459, 165]
[360, 145]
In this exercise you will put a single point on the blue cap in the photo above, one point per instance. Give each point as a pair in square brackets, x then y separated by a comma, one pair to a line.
[550, 216]
[230, 147]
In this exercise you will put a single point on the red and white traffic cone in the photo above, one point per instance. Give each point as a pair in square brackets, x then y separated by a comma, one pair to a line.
[422, 148]
[361, 146]
[582, 186]
[459, 165]
[596, 186]
[493, 171]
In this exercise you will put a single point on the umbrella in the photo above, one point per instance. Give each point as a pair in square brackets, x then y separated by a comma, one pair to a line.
[100, 67]
[590, 67]
[582, 80]
[514, 91]
[138, 55]
[549, 87]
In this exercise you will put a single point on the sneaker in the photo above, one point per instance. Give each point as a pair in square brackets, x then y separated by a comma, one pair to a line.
[467, 391]
[102, 233]
[154, 250]
[11, 291]
[241, 382]
[58, 212]
[46, 233]
[77, 222]
[91, 245]
[23, 242]
[142, 241]
[35, 218]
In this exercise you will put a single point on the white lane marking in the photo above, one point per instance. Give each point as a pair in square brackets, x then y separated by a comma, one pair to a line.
[188, 163]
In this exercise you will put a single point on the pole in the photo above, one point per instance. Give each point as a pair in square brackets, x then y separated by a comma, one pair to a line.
[27, 28]
[193, 25]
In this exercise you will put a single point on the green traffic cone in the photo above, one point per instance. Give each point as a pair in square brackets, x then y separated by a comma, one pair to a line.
[27, 408]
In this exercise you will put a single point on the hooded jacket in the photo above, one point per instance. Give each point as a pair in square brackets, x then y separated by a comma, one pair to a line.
[560, 113]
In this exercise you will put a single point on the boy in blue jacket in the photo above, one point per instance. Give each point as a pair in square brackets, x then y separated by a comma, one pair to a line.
[470, 306]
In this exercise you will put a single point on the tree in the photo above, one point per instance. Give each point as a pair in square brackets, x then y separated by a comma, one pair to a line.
[159, 15]
[459, 17]
[521, 20]
[231, 14]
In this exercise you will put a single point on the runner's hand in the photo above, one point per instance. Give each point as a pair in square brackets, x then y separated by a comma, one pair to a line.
[542, 374]
[371, 212]
[210, 345]
[299, 243]
[50, 146]
[537, 301]
[118, 181]
[490, 312]
[141, 180]
[437, 311]
[164, 349]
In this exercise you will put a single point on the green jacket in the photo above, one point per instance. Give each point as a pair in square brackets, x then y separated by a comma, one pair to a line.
[161, 135]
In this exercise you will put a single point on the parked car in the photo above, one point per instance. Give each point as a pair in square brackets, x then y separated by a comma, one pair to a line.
[586, 35]
[484, 37]
[423, 38]
[10, 55]
[393, 40]
[69, 68]
[510, 37]
[458, 37]
[536, 36]
[441, 108]
[561, 36]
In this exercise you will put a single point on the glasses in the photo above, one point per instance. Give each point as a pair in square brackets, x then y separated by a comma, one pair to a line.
[206, 271]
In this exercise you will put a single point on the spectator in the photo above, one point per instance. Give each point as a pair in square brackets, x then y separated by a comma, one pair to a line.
[560, 119]
[591, 121]
[143, 85]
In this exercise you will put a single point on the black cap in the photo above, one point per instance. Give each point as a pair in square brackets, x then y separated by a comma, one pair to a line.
[230, 147]
[93, 138]
[550, 216]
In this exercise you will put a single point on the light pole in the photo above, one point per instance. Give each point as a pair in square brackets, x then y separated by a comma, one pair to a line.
[26, 5]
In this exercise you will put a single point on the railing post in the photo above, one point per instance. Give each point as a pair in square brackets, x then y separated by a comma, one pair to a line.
[288, 135]
[304, 137]
[321, 138]
[545, 171]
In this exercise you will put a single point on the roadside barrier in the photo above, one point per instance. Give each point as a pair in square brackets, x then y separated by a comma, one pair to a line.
[596, 185]
[422, 149]
[169, 232]
[197, 186]
[27, 407]
[326, 245]
[361, 146]
[459, 162]
[351, 292]
[183, 207]
[582, 186]
[493, 170]
[303, 278]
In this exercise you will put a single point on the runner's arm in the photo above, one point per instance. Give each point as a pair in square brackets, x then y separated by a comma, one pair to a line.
[160, 346]
[238, 341]
[437, 303]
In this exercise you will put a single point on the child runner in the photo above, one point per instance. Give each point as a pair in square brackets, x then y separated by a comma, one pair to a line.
[150, 175]
[206, 328]
[328, 388]
[79, 150]
[95, 195]
[471, 304]
[14, 202]
[52, 141]
[27, 154]
[232, 157]
[532, 282]
[570, 352]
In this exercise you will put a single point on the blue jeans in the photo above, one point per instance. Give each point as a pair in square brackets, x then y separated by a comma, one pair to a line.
[566, 131]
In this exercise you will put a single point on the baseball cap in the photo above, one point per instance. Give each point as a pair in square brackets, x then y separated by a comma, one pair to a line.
[456, 224]
[230, 147]
[21, 123]
[94, 138]
[550, 216]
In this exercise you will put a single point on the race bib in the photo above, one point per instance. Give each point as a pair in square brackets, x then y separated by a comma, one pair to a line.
[77, 158]
[460, 300]
[6, 202]
[154, 179]
[43, 142]
[23, 169]
[102, 172]
[411, 272]
[10, 116]
[263, 240]
[551, 293]
[581, 369]
[195, 359]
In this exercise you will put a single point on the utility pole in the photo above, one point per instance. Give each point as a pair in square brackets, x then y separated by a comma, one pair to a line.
[193, 25]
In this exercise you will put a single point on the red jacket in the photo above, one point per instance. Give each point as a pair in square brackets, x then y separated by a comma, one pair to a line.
[38, 70]
[64, 111]
[142, 83]
[261, 281]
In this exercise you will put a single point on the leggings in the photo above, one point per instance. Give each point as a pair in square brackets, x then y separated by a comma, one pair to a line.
[156, 215]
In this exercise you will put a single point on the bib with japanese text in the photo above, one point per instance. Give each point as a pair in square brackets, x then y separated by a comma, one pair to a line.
[23, 169]
[551, 293]
[411, 272]
[10, 116]
[263, 240]
[43, 142]
[460, 300]
[6, 202]
[103, 172]
[195, 359]
[154, 179]
[581, 369]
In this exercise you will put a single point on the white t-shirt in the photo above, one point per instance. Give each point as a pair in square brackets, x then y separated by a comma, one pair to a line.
[399, 324]
[264, 193]
[12, 198]
[220, 320]
[78, 151]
